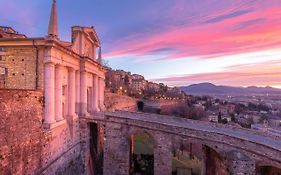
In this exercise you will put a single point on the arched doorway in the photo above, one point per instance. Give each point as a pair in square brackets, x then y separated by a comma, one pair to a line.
[213, 163]
[142, 154]
[140, 105]
[186, 159]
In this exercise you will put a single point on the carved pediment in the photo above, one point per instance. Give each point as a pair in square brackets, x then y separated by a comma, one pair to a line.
[85, 41]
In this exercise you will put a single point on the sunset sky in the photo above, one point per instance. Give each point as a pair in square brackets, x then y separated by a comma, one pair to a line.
[178, 42]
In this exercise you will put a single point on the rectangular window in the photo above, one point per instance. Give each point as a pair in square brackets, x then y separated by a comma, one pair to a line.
[64, 88]
[2, 58]
[3, 71]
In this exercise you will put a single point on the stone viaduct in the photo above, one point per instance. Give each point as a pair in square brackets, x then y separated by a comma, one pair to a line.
[226, 149]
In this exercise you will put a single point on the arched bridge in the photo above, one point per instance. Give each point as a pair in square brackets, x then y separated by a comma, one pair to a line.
[238, 150]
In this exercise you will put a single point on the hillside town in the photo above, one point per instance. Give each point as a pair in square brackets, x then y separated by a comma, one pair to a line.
[256, 112]
[135, 85]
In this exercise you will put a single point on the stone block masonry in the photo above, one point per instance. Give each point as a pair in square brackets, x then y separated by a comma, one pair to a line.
[117, 149]
[26, 147]
[20, 64]
[22, 139]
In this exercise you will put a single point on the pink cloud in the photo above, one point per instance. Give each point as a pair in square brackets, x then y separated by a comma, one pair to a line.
[222, 32]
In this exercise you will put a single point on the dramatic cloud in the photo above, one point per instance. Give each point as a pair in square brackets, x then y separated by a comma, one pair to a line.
[187, 40]
[239, 28]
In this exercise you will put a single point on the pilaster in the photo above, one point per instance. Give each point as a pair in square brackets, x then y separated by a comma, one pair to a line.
[58, 92]
[77, 88]
[95, 93]
[101, 93]
[83, 98]
[49, 93]
[71, 93]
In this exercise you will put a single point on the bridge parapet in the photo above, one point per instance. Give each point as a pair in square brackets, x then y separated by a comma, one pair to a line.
[261, 148]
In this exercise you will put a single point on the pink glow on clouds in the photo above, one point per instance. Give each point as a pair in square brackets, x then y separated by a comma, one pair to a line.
[257, 27]
[163, 32]
[228, 28]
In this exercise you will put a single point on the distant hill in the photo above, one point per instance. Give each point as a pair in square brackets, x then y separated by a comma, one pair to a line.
[211, 89]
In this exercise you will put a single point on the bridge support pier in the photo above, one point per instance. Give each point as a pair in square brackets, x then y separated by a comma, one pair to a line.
[163, 154]
[239, 164]
[116, 150]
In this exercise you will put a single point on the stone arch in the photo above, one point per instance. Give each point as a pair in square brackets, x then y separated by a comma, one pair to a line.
[142, 148]
[268, 170]
[134, 130]
[186, 156]
[213, 163]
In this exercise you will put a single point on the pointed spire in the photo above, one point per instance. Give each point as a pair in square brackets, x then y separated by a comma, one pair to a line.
[100, 57]
[53, 24]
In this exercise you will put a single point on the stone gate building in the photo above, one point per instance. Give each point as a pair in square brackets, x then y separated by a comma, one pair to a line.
[69, 73]
[46, 84]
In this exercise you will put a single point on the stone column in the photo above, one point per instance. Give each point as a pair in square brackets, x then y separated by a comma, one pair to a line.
[77, 83]
[95, 93]
[71, 92]
[58, 93]
[83, 90]
[49, 93]
[101, 93]
[116, 150]
[240, 164]
[163, 154]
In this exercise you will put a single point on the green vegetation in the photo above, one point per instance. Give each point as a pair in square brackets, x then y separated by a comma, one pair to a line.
[143, 144]
[181, 162]
[186, 166]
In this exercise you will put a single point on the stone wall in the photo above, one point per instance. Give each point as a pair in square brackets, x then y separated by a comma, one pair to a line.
[20, 65]
[119, 102]
[21, 135]
[26, 147]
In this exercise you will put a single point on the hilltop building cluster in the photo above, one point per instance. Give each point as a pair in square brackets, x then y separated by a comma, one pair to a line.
[135, 85]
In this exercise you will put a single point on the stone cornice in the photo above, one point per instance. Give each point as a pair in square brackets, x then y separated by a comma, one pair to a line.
[91, 61]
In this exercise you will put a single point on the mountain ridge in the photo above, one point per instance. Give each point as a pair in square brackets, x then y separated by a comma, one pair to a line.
[207, 88]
